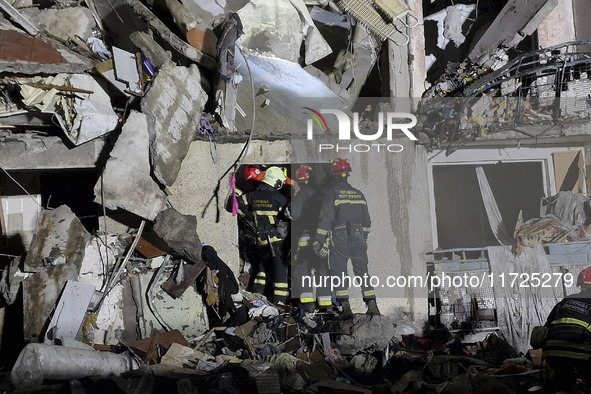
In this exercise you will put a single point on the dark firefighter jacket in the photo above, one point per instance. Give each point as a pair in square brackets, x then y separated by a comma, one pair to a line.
[342, 206]
[305, 210]
[266, 206]
[569, 328]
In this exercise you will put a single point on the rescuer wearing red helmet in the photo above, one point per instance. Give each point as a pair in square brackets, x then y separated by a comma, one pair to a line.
[342, 232]
[305, 210]
[268, 207]
[567, 347]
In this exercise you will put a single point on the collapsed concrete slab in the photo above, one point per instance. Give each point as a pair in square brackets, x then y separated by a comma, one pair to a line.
[30, 151]
[126, 181]
[277, 28]
[21, 54]
[40, 293]
[361, 333]
[171, 38]
[179, 232]
[59, 239]
[150, 48]
[70, 312]
[283, 81]
[173, 106]
[518, 19]
[63, 23]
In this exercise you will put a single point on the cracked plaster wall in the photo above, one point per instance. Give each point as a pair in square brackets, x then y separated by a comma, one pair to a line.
[395, 185]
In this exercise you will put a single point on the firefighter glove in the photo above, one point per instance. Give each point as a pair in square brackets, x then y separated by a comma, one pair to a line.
[321, 249]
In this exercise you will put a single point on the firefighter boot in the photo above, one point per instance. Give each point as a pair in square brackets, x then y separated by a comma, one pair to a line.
[346, 311]
[372, 308]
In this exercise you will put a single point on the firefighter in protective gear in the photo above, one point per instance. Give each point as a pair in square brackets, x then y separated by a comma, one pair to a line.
[268, 207]
[253, 173]
[305, 210]
[568, 343]
[343, 228]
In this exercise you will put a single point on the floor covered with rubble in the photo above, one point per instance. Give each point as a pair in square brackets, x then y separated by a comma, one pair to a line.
[125, 130]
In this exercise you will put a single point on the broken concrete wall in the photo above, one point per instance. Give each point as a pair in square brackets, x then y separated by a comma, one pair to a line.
[126, 180]
[59, 239]
[38, 153]
[179, 232]
[197, 181]
[173, 106]
[569, 21]
[56, 254]
[186, 313]
[276, 29]
[407, 68]
[64, 23]
[582, 14]
[40, 293]
[518, 19]
[396, 187]
[403, 225]
[558, 26]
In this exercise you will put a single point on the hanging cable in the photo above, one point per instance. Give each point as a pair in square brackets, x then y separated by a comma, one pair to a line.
[238, 162]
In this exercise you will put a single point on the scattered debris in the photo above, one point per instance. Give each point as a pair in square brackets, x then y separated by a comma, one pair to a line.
[173, 116]
[129, 103]
[129, 161]
[70, 311]
[179, 232]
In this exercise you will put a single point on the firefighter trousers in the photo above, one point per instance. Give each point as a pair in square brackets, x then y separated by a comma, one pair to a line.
[307, 275]
[342, 249]
[272, 271]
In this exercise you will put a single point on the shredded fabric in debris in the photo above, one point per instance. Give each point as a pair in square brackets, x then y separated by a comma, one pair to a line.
[520, 309]
[206, 129]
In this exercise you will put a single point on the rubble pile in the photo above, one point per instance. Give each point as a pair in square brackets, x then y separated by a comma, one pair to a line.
[126, 317]
[127, 86]
[534, 95]
[124, 88]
